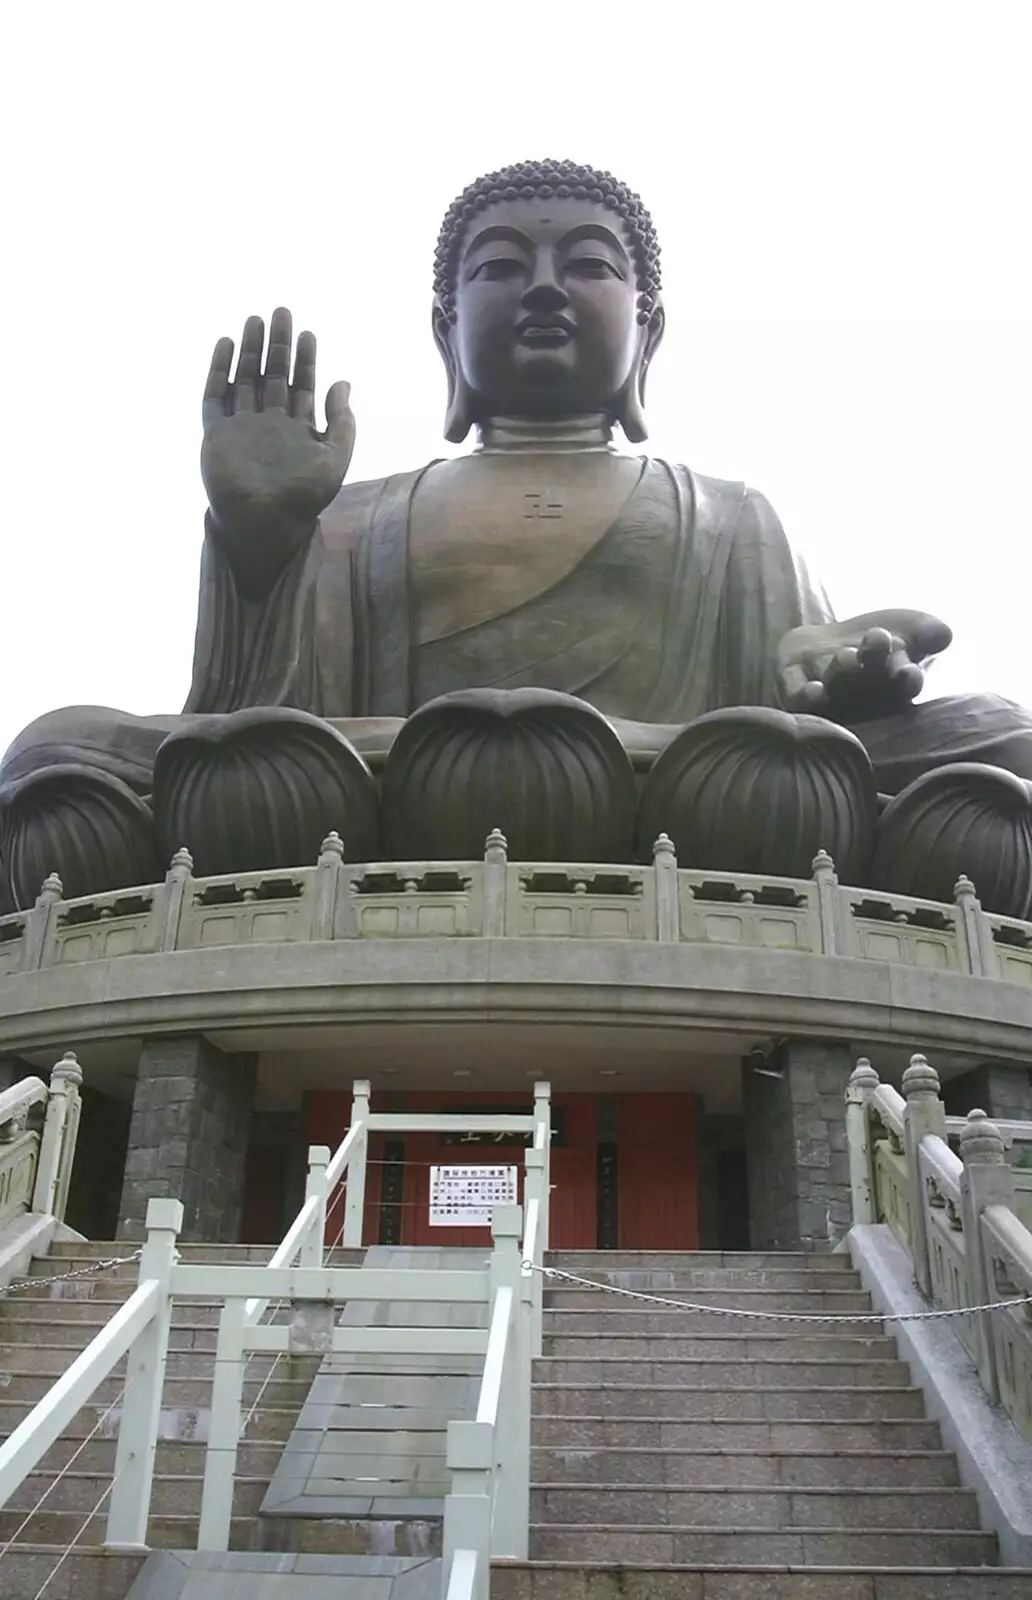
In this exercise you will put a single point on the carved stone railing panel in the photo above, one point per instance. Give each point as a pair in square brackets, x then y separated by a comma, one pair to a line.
[97, 927]
[12, 943]
[411, 900]
[580, 901]
[740, 909]
[1013, 946]
[247, 908]
[1008, 1250]
[895, 928]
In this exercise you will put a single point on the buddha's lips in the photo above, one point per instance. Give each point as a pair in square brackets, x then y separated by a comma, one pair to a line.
[545, 333]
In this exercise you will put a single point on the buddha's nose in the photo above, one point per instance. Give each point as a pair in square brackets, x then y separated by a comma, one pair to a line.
[545, 292]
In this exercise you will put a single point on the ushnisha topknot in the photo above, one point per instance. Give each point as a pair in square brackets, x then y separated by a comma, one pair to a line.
[528, 179]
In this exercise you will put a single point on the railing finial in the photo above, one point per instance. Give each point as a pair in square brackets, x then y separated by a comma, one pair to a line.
[823, 864]
[67, 1070]
[920, 1079]
[863, 1075]
[331, 849]
[981, 1142]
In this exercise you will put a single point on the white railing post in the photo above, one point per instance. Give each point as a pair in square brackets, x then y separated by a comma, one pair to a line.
[60, 1131]
[129, 1506]
[925, 1113]
[223, 1430]
[986, 1180]
[467, 1508]
[534, 1203]
[311, 1252]
[543, 1141]
[859, 1091]
[325, 886]
[511, 1497]
[668, 904]
[37, 923]
[354, 1194]
[496, 871]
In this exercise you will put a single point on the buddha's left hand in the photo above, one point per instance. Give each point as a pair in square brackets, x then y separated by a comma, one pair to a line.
[868, 666]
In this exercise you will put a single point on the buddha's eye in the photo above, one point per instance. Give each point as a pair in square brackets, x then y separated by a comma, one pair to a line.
[591, 267]
[498, 268]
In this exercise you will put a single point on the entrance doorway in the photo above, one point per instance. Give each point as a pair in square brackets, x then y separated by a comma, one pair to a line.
[623, 1168]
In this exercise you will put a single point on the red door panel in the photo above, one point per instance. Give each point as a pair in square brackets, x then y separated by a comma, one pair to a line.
[659, 1185]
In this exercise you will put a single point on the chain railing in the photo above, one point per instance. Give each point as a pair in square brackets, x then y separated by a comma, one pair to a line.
[956, 1217]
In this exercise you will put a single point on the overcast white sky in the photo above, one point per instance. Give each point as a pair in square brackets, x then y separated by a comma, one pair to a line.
[842, 194]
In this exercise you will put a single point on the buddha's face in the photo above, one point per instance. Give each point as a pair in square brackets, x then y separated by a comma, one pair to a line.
[546, 310]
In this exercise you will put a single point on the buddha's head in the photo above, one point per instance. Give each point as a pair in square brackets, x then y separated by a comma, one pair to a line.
[546, 298]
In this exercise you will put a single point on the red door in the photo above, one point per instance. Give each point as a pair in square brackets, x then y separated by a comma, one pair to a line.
[659, 1180]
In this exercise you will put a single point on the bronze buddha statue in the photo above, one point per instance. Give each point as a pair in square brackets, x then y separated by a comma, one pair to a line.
[544, 560]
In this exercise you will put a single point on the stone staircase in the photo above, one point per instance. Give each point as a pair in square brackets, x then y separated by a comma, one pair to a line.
[676, 1453]
[41, 1333]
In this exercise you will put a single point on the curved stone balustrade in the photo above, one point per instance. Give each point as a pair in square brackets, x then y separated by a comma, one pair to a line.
[497, 898]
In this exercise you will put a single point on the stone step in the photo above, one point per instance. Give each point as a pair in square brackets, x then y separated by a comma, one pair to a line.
[29, 1333]
[746, 1337]
[723, 1468]
[655, 1369]
[83, 1574]
[567, 1581]
[695, 1347]
[52, 1360]
[800, 1303]
[179, 1494]
[185, 1423]
[674, 1402]
[680, 1280]
[178, 1393]
[752, 1506]
[749, 1546]
[585, 1260]
[304, 1535]
[255, 1457]
[720, 1433]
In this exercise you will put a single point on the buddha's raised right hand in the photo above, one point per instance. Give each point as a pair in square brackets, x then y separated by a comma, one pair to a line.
[267, 470]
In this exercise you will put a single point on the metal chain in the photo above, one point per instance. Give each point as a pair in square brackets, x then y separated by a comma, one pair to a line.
[63, 1277]
[554, 1274]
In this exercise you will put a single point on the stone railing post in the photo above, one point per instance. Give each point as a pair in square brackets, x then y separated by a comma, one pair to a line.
[496, 873]
[145, 1378]
[975, 947]
[37, 923]
[355, 1175]
[311, 1252]
[924, 1114]
[178, 876]
[668, 904]
[60, 1131]
[987, 1180]
[535, 1187]
[829, 918]
[859, 1092]
[467, 1506]
[325, 886]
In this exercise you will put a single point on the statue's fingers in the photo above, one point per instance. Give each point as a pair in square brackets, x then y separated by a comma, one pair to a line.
[843, 665]
[876, 647]
[276, 385]
[249, 365]
[907, 677]
[216, 389]
[802, 691]
[302, 391]
[340, 421]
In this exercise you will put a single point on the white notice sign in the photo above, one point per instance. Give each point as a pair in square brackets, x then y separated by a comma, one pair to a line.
[464, 1197]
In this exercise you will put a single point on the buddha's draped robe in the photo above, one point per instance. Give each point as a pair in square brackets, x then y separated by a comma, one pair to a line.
[677, 609]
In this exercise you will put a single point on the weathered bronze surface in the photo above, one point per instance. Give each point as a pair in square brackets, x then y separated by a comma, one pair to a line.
[545, 558]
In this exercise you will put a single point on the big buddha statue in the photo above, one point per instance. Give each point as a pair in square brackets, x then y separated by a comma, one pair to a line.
[550, 633]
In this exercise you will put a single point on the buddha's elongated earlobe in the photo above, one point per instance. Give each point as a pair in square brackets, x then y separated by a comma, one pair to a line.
[630, 406]
[458, 414]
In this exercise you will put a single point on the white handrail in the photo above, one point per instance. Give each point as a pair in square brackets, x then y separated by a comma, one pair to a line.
[339, 1161]
[494, 1360]
[937, 1156]
[462, 1580]
[47, 1421]
[21, 1097]
[284, 1254]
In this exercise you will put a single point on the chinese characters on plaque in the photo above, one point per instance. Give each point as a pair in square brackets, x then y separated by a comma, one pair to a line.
[464, 1197]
